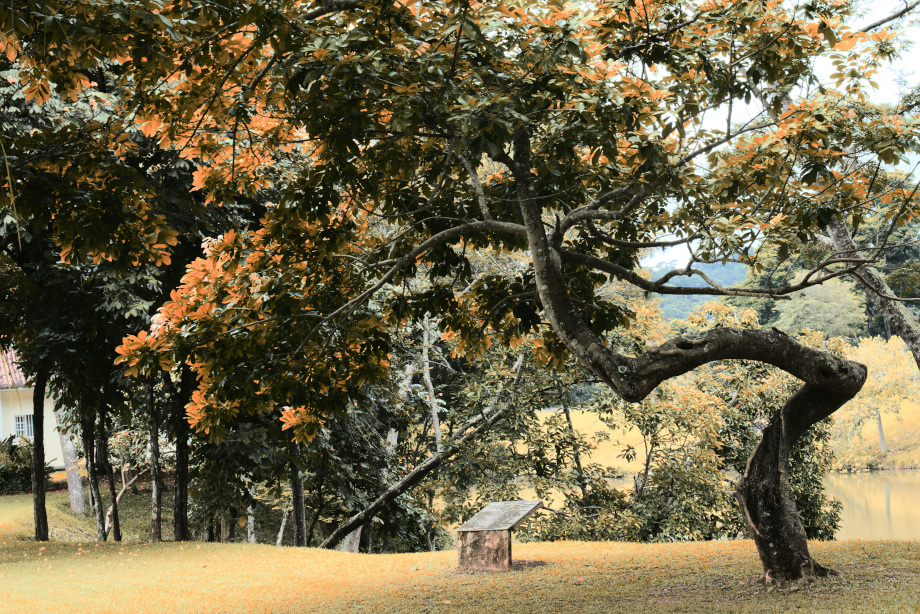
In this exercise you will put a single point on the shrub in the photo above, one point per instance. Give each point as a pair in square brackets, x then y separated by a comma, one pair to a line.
[16, 465]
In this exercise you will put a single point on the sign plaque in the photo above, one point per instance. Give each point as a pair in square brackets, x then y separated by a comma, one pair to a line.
[502, 516]
[485, 539]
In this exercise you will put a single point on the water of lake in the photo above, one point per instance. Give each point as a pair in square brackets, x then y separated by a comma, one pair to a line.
[877, 505]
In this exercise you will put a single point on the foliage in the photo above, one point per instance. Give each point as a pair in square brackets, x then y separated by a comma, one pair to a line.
[832, 308]
[16, 465]
[385, 142]
[603, 114]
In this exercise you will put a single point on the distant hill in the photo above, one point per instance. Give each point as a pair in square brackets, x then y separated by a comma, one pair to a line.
[678, 307]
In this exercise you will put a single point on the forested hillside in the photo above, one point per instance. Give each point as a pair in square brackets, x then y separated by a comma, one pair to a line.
[678, 307]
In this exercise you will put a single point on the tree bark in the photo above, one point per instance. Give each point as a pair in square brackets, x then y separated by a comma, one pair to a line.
[300, 512]
[576, 455]
[765, 494]
[126, 483]
[284, 519]
[40, 513]
[881, 433]
[92, 477]
[209, 532]
[156, 480]
[352, 541]
[74, 481]
[251, 523]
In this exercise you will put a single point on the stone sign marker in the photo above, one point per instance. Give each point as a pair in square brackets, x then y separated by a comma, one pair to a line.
[485, 539]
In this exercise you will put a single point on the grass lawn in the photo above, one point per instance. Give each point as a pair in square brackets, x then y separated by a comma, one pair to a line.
[84, 576]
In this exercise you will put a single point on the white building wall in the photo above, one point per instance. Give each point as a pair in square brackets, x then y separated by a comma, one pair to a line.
[18, 401]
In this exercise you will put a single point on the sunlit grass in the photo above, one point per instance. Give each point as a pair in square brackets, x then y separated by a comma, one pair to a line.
[576, 577]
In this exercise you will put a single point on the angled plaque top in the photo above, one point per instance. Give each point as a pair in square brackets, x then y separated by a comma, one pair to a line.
[502, 515]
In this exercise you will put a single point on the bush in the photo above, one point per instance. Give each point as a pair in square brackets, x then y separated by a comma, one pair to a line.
[16, 465]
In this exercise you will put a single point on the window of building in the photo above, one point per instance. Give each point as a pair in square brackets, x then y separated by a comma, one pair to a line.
[24, 426]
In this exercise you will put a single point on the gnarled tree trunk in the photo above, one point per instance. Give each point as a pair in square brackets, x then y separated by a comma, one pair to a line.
[829, 381]
[764, 492]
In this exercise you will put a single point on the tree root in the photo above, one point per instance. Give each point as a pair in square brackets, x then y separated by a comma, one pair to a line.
[810, 572]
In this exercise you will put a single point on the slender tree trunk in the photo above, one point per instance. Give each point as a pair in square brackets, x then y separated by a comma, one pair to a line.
[881, 433]
[426, 375]
[40, 514]
[284, 519]
[321, 482]
[251, 523]
[582, 482]
[156, 480]
[180, 501]
[92, 477]
[300, 512]
[125, 485]
[74, 481]
[231, 526]
[209, 532]
[106, 465]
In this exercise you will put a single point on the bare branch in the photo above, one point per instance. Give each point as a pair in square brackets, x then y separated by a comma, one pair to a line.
[896, 15]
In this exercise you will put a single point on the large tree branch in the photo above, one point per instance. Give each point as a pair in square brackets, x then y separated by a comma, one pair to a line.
[714, 289]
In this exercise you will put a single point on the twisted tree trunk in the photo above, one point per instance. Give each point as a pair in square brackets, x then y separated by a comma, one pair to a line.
[829, 382]
[764, 492]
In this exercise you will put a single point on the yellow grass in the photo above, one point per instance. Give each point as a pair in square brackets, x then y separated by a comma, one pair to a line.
[575, 577]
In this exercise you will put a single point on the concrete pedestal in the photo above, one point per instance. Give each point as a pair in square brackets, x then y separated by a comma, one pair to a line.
[485, 550]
